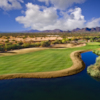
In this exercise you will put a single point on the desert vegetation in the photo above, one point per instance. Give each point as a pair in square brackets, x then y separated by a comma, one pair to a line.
[94, 70]
[11, 41]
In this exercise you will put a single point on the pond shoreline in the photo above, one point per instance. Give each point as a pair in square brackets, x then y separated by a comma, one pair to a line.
[78, 66]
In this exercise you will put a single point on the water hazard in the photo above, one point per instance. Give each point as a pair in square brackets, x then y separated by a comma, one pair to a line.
[76, 87]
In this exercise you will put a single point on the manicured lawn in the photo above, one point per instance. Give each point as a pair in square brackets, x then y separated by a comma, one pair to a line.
[94, 43]
[39, 61]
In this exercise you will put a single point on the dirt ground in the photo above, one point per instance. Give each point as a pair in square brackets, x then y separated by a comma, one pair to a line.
[68, 45]
[36, 39]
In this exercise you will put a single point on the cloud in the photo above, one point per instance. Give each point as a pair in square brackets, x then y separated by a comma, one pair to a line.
[46, 1]
[62, 4]
[10, 4]
[47, 19]
[93, 23]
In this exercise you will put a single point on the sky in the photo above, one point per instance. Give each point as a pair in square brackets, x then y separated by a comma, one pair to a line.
[22, 15]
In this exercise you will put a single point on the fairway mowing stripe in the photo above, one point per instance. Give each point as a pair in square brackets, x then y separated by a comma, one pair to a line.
[53, 60]
[50, 61]
[52, 64]
[35, 59]
[22, 56]
[28, 58]
[55, 63]
[44, 61]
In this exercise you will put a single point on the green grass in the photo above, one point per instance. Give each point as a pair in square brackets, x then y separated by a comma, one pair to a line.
[39, 61]
[94, 43]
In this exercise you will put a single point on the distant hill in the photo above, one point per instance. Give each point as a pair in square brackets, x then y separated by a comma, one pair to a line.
[97, 29]
[46, 31]
[53, 31]
[83, 30]
[31, 31]
[77, 29]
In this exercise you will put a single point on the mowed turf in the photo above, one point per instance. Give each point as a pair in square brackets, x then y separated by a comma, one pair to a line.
[39, 61]
[94, 43]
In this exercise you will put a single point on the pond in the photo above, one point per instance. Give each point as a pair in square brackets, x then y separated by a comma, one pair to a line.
[76, 87]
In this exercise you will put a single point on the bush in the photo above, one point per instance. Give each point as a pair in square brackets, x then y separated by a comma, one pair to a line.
[26, 45]
[1, 48]
[7, 41]
[64, 40]
[93, 50]
[18, 46]
[36, 45]
[13, 46]
[96, 51]
[20, 43]
[94, 70]
[98, 60]
[98, 40]
[90, 68]
[57, 42]
[45, 44]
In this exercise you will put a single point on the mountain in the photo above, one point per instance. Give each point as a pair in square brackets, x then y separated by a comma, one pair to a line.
[46, 31]
[77, 29]
[83, 30]
[31, 31]
[97, 29]
[53, 31]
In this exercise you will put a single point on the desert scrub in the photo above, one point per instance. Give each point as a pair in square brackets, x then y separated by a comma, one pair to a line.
[57, 42]
[94, 70]
[45, 44]
[97, 52]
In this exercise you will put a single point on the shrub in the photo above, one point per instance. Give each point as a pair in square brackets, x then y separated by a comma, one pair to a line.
[7, 41]
[1, 48]
[98, 60]
[98, 40]
[90, 68]
[94, 70]
[64, 40]
[6, 47]
[97, 52]
[20, 43]
[18, 46]
[93, 50]
[57, 42]
[45, 44]
[26, 45]
[13, 40]
[36, 44]
[13, 46]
